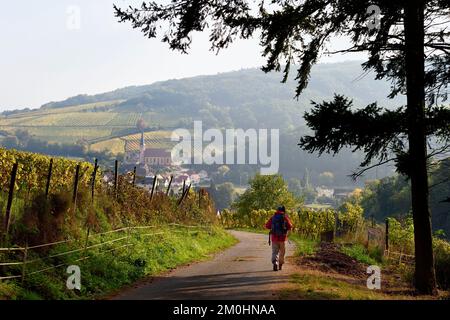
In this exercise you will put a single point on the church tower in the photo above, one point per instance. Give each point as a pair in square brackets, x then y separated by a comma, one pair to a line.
[142, 149]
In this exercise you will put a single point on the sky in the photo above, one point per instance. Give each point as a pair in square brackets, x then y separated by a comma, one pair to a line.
[55, 49]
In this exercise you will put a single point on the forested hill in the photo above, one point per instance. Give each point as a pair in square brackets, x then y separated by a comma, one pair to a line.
[237, 98]
[247, 98]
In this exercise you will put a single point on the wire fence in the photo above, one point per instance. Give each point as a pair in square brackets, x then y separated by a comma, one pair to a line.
[123, 238]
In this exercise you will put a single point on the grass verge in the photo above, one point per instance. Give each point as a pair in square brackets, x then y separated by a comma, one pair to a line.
[315, 285]
[304, 246]
[361, 254]
[105, 272]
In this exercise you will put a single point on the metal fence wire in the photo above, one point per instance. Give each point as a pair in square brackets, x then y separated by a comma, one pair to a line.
[123, 238]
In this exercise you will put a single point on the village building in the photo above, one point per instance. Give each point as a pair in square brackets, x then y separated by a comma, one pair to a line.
[147, 156]
[157, 157]
[325, 192]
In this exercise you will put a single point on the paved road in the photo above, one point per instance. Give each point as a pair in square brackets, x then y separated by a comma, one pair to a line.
[242, 272]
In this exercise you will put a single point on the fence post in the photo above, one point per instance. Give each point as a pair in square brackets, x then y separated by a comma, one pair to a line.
[187, 192]
[116, 177]
[94, 175]
[386, 240]
[153, 186]
[328, 221]
[134, 176]
[168, 187]
[183, 195]
[184, 186]
[49, 177]
[24, 261]
[75, 186]
[10, 197]
[336, 222]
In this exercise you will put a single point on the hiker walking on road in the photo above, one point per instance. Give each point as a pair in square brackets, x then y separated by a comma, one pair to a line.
[279, 225]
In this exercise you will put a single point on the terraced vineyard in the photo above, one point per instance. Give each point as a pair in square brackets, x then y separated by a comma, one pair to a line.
[124, 119]
[154, 139]
[93, 123]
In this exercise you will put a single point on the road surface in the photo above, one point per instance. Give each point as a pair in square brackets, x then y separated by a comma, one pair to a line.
[242, 272]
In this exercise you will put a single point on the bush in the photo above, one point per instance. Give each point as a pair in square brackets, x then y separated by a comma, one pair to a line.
[442, 263]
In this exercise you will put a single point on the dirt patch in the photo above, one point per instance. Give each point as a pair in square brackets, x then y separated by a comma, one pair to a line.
[329, 258]
[330, 261]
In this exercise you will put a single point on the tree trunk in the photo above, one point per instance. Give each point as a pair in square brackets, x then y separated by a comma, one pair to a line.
[425, 279]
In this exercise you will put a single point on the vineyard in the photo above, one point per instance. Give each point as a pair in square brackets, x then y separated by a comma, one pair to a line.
[309, 224]
[33, 170]
[60, 205]
[348, 226]
[124, 119]
[100, 122]
[97, 121]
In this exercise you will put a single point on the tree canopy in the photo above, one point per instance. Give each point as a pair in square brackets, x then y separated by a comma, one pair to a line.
[267, 193]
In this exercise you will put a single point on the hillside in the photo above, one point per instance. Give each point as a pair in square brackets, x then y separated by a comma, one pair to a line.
[246, 98]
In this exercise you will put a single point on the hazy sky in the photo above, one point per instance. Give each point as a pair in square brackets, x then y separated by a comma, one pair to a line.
[45, 57]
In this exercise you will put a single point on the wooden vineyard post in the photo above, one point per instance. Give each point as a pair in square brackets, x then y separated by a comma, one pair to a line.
[181, 198]
[75, 187]
[168, 187]
[336, 224]
[134, 176]
[116, 177]
[187, 192]
[184, 186]
[49, 177]
[10, 198]
[386, 240]
[153, 186]
[94, 175]
[199, 197]
[24, 261]
[183, 195]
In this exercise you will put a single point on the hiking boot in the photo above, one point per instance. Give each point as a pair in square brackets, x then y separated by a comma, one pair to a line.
[279, 268]
[275, 267]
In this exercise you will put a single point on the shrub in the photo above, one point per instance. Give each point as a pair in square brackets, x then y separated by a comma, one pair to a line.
[442, 263]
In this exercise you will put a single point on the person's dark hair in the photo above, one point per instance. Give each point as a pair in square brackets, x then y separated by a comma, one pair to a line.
[281, 208]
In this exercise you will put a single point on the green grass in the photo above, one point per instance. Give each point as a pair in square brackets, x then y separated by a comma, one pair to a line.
[304, 246]
[104, 273]
[360, 253]
[317, 286]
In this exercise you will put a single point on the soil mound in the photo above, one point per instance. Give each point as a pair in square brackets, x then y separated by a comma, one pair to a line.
[330, 259]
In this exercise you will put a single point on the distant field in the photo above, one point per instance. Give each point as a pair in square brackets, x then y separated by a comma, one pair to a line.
[115, 146]
[97, 123]
[155, 139]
